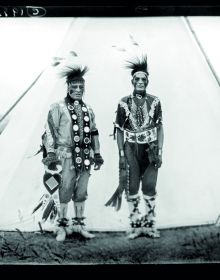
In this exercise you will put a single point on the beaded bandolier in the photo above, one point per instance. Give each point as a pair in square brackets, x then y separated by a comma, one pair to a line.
[81, 134]
[72, 139]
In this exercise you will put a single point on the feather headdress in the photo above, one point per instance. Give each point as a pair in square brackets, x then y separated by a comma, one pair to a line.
[138, 65]
[74, 73]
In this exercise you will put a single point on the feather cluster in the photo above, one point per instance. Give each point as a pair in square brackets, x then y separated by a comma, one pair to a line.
[138, 64]
[116, 200]
[72, 73]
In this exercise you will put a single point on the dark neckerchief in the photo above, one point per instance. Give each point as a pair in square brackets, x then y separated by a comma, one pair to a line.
[81, 152]
[143, 95]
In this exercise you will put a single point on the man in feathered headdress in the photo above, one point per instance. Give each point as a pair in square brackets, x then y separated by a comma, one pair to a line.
[73, 140]
[140, 141]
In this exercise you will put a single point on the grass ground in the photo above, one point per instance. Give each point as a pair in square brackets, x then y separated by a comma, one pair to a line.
[179, 245]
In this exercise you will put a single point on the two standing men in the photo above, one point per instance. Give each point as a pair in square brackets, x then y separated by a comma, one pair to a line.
[72, 138]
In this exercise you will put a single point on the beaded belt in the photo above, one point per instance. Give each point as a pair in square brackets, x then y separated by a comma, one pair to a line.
[143, 137]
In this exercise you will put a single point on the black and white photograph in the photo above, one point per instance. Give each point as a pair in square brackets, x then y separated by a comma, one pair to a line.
[109, 140]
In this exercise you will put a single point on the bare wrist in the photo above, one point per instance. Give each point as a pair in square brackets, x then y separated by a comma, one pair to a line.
[121, 153]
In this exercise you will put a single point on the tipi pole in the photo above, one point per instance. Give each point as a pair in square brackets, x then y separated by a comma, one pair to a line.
[23, 94]
[202, 50]
[31, 85]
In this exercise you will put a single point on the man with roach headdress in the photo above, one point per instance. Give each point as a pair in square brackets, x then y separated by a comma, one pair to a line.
[140, 140]
[72, 140]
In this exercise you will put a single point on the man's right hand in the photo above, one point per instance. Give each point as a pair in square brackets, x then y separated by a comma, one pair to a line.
[52, 166]
[50, 161]
[122, 162]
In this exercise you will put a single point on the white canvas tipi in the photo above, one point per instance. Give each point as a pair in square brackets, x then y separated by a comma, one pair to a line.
[188, 183]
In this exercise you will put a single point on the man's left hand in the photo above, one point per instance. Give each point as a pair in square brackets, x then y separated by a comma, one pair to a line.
[98, 160]
[158, 162]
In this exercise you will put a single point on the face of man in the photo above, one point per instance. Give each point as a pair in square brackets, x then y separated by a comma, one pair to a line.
[140, 82]
[76, 90]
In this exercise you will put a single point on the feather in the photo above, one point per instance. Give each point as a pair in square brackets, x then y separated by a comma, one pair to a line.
[73, 53]
[119, 202]
[138, 64]
[37, 207]
[54, 64]
[56, 61]
[74, 72]
[111, 201]
[133, 41]
[48, 210]
[53, 214]
[116, 199]
[58, 58]
[121, 49]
